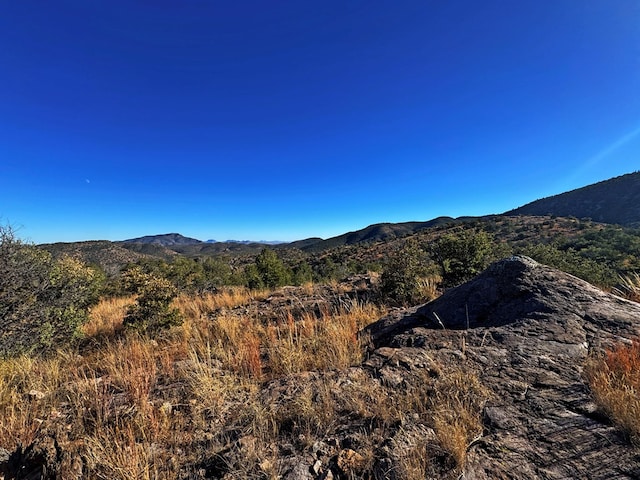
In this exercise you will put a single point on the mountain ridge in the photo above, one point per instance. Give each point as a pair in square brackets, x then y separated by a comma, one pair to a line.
[614, 201]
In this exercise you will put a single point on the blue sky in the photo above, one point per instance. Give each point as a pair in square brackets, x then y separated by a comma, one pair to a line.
[283, 120]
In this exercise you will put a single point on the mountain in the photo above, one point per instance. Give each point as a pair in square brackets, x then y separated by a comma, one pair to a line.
[616, 201]
[166, 240]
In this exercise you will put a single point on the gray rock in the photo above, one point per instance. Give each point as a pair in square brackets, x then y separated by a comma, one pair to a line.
[527, 329]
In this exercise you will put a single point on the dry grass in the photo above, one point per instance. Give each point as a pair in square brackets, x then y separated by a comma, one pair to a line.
[629, 287]
[615, 383]
[137, 407]
[250, 348]
[105, 319]
[428, 288]
[197, 306]
[27, 390]
[457, 404]
[325, 343]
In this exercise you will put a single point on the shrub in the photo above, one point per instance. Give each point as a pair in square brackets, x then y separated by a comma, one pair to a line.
[268, 271]
[152, 309]
[43, 302]
[572, 262]
[462, 256]
[406, 275]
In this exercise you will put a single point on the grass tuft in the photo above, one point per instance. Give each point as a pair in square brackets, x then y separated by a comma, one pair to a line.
[615, 383]
[629, 287]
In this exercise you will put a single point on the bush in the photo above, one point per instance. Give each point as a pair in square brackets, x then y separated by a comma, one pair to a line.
[267, 271]
[405, 276]
[572, 262]
[43, 302]
[462, 256]
[152, 311]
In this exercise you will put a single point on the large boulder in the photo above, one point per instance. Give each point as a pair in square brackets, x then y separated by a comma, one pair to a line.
[527, 329]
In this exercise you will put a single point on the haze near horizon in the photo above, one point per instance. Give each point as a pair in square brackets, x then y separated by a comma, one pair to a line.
[289, 120]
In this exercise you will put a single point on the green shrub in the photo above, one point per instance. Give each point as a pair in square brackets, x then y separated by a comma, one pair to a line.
[267, 271]
[403, 277]
[572, 262]
[152, 311]
[43, 301]
[462, 256]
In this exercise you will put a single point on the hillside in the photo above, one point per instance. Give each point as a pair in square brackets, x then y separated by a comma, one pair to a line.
[110, 256]
[616, 201]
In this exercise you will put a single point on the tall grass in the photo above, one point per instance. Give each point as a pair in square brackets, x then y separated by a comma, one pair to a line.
[105, 318]
[615, 383]
[629, 287]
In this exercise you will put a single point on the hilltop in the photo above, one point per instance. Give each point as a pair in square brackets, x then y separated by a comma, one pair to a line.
[379, 232]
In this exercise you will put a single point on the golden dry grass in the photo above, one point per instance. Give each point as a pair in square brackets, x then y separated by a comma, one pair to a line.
[26, 387]
[138, 407]
[457, 405]
[105, 318]
[614, 380]
[196, 306]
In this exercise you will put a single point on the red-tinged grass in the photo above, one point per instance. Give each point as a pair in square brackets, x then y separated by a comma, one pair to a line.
[615, 382]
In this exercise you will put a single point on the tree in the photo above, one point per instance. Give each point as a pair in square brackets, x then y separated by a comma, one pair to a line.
[268, 271]
[302, 273]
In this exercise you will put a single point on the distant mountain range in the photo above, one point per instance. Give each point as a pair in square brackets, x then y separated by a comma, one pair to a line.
[166, 240]
[615, 201]
[248, 242]
[379, 232]
[176, 239]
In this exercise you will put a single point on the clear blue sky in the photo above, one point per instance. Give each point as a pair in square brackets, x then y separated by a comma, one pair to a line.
[280, 120]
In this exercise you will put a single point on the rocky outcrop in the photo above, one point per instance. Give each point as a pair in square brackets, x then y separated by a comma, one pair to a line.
[528, 330]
